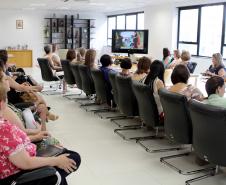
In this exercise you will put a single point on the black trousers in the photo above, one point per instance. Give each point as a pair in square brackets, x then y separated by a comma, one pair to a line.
[48, 180]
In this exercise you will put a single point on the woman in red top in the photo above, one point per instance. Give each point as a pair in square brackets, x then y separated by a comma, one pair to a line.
[17, 153]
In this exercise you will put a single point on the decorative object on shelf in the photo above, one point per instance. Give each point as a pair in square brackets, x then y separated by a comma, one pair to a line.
[69, 32]
[19, 24]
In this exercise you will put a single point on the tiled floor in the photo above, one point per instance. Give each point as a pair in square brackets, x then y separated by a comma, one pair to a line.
[106, 158]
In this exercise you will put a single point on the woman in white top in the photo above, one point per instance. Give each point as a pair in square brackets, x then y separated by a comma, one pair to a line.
[155, 80]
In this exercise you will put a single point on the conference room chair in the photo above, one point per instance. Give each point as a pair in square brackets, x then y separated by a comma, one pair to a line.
[178, 129]
[75, 71]
[209, 140]
[101, 97]
[87, 85]
[153, 124]
[48, 76]
[127, 105]
[34, 175]
[113, 112]
[68, 76]
[192, 66]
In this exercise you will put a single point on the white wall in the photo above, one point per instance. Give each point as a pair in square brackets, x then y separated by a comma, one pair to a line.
[32, 32]
[161, 20]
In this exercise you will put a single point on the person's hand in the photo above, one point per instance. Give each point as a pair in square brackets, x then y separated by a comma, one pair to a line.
[42, 135]
[65, 163]
[209, 73]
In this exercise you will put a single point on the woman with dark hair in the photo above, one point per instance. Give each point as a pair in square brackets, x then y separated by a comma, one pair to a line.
[179, 78]
[125, 65]
[166, 58]
[106, 62]
[71, 55]
[155, 81]
[215, 89]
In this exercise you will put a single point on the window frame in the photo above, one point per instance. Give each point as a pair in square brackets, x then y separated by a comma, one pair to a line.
[199, 7]
[116, 21]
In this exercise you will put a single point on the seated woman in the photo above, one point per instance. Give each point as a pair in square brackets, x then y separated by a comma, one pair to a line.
[55, 57]
[90, 58]
[179, 78]
[217, 67]
[215, 89]
[82, 52]
[48, 55]
[37, 134]
[176, 58]
[167, 59]
[19, 154]
[143, 67]
[15, 95]
[155, 79]
[71, 56]
[106, 62]
[125, 65]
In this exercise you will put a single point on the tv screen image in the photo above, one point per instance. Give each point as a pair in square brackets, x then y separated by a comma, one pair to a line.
[130, 41]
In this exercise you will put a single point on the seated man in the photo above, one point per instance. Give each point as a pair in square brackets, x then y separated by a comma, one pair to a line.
[48, 55]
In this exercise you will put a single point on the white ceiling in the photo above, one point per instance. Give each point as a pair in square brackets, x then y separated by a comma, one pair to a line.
[80, 5]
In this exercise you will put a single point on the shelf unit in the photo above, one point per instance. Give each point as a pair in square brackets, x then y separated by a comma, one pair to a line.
[68, 32]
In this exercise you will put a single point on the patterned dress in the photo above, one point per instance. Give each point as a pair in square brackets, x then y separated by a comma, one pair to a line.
[12, 140]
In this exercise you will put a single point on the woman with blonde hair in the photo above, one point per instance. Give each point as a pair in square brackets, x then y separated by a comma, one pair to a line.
[82, 52]
[217, 67]
[177, 58]
[90, 58]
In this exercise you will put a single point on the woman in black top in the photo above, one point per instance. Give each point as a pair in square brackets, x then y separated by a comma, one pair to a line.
[217, 67]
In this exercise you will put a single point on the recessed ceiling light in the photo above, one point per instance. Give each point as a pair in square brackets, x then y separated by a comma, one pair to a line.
[29, 8]
[62, 8]
[38, 4]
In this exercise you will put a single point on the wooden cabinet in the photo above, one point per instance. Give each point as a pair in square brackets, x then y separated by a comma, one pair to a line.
[21, 58]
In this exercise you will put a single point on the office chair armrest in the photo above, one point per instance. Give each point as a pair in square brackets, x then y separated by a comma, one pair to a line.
[36, 175]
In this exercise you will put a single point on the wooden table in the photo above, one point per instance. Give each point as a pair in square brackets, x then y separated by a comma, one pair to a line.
[21, 58]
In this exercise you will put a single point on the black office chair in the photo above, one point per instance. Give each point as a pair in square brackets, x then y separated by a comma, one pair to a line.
[48, 76]
[87, 81]
[209, 135]
[149, 114]
[127, 105]
[87, 85]
[178, 125]
[112, 77]
[114, 112]
[191, 67]
[101, 96]
[38, 174]
[75, 72]
[68, 76]
[78, 80]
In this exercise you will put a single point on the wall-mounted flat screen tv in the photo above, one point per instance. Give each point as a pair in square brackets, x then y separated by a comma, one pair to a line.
[130, 41]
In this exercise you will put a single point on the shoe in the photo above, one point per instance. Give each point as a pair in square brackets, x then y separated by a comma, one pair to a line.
[200, 161]
[52, 117]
